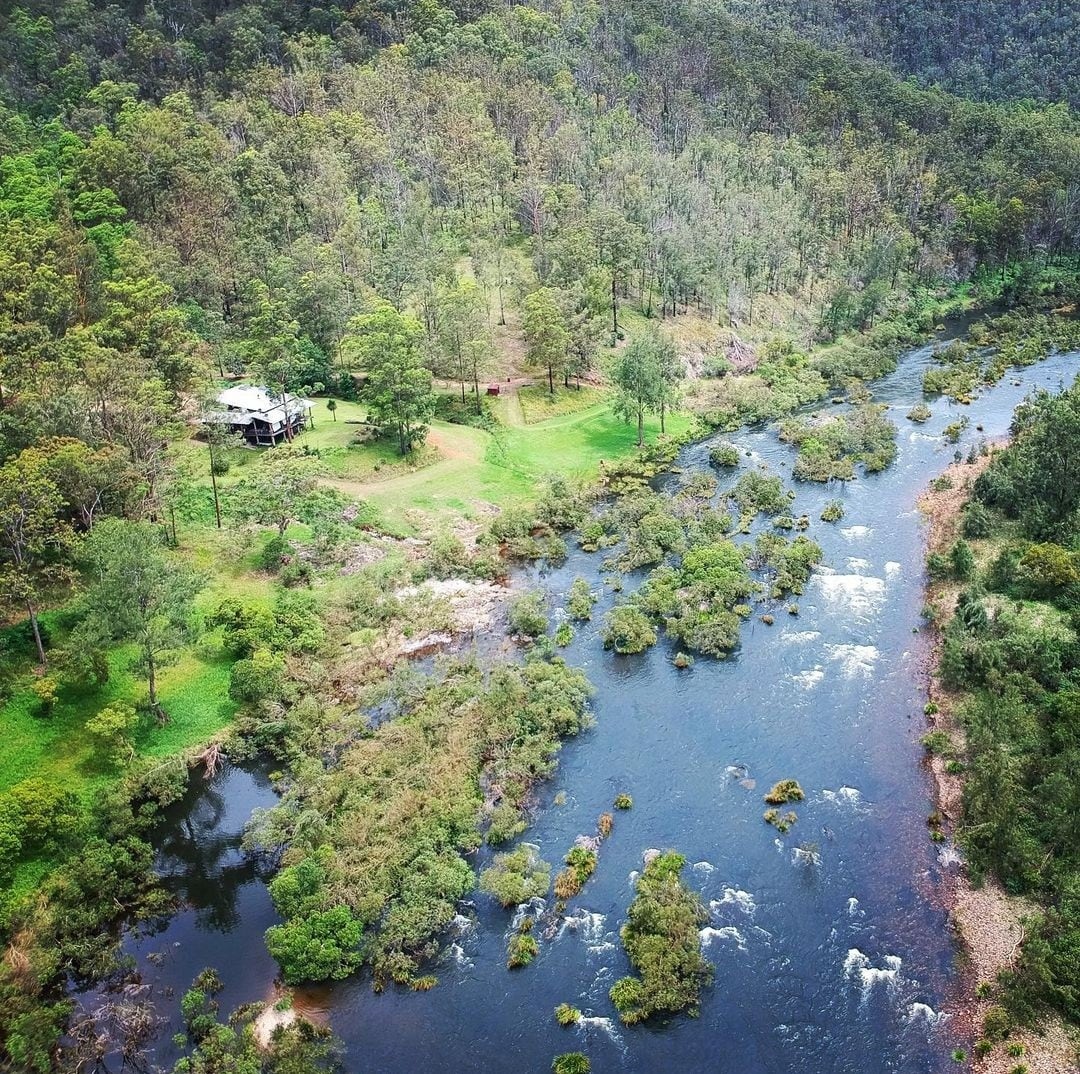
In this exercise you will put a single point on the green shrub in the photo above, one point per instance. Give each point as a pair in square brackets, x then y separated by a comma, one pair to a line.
[938, 742]
[953, 431]
[724, 454]
[758, 493]
[528, 614]
[662, 942]
[627, 630]
[628, 995]
[580, 600]
[961, 560]
[274, 553]
[786, 790]
[44, 813]
[698, 600]
[833, 511]
[937, 566]
[113, 730]
[996, 1024]
[517, 876]
[571, 1063]
[260, 677]
[1046, 569]
[318, 946]
[592, 533]
[977, 521]
[580, 865]
[623, 801]
[506, 823]
[566, 1015]
[521, 950]
[244, 628]
[297, 572]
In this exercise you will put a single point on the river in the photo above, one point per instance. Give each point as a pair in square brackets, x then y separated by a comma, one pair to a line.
[831, 944]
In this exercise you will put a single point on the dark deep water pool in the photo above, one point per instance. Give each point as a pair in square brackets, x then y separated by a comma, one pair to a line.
[831, 948]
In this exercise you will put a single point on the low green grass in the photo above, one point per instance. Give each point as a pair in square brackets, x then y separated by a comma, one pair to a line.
[538, 404]
[194, 692]
[58, 749]
[477, 467]
[460, 468]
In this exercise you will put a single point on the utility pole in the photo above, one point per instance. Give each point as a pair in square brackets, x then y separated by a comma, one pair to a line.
[213, 475]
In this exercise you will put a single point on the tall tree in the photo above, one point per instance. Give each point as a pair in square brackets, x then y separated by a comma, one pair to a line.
[273, 346]
[638, 380]
[545, 332]
[34, 537]
[138, 594]
[91, 480]
[618, 243]
[671, 371]
[462, 338]
[278, 488]
[398, 390]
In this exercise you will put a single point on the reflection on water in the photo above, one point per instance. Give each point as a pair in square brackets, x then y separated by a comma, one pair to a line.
[832, 955]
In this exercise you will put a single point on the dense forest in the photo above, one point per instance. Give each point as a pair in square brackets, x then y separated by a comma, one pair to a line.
[998, 50]
[692, 213]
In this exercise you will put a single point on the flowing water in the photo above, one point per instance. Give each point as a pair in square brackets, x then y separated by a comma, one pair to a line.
[831, 946]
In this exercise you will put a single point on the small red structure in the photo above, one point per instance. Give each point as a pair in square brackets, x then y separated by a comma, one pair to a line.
[493, 389]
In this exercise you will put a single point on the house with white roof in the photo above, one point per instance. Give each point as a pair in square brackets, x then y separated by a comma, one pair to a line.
[258, 416]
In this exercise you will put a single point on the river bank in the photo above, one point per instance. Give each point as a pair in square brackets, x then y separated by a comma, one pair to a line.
[988, 922]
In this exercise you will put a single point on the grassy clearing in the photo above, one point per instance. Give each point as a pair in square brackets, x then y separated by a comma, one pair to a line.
[460, 468]
[194, 692]
[58, 749]
[477, 467]
[538, 404]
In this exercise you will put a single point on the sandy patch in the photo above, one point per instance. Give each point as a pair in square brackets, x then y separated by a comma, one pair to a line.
[270, 1019]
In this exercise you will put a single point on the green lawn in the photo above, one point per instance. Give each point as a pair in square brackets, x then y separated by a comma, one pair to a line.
[194, 692]
[476, 467]
[460, 468]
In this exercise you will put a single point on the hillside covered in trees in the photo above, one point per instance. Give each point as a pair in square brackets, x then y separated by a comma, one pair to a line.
[488, 243]
[996, 50]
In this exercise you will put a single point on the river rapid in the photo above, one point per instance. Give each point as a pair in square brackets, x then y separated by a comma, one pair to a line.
[831, 943]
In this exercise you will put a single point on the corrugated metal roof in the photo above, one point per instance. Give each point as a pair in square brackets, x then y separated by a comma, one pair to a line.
[246, 402]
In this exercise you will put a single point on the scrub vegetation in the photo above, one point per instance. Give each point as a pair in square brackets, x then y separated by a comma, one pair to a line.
[830, 448]
[379, 843]
[662, 942]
